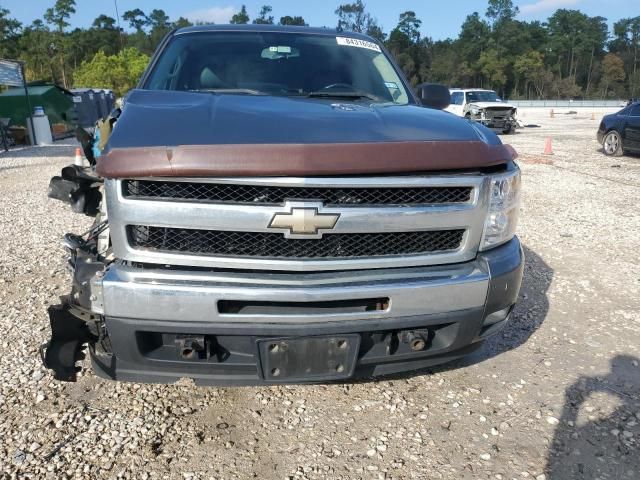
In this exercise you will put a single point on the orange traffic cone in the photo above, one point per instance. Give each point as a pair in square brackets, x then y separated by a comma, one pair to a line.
[78, 160]
[551, 113]
[548, 147]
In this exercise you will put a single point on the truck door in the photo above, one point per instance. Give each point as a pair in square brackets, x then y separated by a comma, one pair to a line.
[631, 129]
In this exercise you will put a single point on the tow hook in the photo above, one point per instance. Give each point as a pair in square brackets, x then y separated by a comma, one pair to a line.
[69, 334]
[417, 340]
[192, 347]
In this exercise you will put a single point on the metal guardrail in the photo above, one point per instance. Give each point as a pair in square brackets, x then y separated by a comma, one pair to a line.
[568, 103]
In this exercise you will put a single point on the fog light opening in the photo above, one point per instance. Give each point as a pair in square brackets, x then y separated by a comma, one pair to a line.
[417, 342]
[497, 317]
[187, 352]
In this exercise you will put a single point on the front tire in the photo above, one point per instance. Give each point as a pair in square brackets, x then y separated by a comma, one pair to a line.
[612, 144]
[507, 130]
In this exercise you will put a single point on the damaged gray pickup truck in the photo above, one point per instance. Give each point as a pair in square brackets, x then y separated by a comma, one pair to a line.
[276, 205]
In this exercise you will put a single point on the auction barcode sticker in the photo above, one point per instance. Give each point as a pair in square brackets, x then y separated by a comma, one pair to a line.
[356, 42]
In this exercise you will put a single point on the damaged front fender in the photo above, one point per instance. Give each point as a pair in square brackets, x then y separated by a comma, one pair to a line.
[78, 187]
[69, 335]
[78, 320]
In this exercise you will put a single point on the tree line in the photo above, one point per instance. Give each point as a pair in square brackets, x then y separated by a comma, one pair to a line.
[571, 55]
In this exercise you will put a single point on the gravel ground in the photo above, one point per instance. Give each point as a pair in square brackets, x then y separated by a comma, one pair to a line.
[556, 395]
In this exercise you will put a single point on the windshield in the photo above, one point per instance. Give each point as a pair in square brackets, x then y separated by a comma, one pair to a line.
[482, 96]
[287, 64]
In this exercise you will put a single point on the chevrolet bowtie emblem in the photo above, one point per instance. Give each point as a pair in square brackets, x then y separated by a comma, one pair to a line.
[304, 220]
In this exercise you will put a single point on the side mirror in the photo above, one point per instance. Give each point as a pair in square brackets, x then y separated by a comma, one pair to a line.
[434, 95]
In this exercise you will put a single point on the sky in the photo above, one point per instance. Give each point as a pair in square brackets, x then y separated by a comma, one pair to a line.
[439, 19]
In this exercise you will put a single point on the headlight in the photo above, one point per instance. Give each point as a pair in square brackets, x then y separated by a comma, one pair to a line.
[475, 111]
[504, 203]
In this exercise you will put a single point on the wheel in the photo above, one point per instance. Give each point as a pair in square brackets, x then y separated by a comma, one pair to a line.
[507, 130]
[612, 144]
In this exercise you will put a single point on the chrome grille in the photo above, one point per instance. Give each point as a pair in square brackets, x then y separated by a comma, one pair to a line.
[277, 195]
[226, 222]
[275, 245]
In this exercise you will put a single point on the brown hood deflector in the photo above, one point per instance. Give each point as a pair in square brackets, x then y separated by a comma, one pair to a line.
[301, 159]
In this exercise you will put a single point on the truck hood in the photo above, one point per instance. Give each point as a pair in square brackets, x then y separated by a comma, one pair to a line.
[181, 133]
[491, 105]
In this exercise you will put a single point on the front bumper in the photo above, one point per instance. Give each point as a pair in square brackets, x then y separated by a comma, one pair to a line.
[151, 315]
[495, 120]
[498, 124]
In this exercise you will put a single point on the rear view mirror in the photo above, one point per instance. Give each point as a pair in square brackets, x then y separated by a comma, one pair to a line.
[278, 52]
[433, 95]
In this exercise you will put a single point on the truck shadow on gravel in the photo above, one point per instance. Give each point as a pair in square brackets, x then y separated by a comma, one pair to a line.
[589, 443]
[529, 314]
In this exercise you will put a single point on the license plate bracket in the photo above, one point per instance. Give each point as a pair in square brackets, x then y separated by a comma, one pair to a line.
[308, 359]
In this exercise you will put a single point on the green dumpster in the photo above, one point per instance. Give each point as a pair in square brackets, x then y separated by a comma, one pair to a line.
[56, 101]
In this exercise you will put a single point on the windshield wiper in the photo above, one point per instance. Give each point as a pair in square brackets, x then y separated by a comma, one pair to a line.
[354, 95]
[232, 91]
